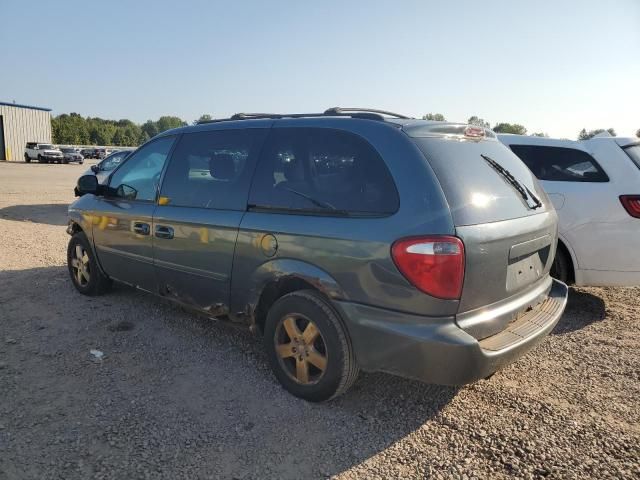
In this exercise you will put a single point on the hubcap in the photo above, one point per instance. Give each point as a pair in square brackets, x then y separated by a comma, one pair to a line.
[301, 349]
[80, 265]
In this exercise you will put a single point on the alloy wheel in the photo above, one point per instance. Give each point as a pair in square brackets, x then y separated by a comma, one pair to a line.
[301, 349]
[80, 265]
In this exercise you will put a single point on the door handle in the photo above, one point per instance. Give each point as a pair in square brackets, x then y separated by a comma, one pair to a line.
[162, 231]
[141, 228]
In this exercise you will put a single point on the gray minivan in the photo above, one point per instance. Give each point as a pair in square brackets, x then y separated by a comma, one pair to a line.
[350, 239]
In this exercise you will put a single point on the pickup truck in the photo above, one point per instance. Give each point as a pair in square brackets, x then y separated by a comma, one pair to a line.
[43, 152]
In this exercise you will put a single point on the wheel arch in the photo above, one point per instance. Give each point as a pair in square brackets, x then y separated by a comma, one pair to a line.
[568, 251]
[279, 277]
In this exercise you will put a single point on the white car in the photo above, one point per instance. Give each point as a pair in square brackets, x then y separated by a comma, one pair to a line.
[43, 152]
[595, 187]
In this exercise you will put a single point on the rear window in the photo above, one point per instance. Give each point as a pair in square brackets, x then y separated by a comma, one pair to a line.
[322, 171]
[634, 154]
[476, 191]
[559, 164]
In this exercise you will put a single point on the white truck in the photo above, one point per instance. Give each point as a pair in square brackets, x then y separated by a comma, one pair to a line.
[43, 152]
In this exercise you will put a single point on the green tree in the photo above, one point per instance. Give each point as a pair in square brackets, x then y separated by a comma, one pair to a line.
[150, 129]
[510, 128]
[203, 118]
[167, 123]
[480, 122]
[638, 133]
[436, 117]
[586, 135]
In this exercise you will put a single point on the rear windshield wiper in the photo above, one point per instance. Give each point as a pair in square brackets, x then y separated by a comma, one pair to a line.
[524, 192]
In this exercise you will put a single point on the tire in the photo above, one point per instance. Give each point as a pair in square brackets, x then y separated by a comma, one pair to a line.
[27, 158]
[561, 267]
[40, 159]
[332, 343]
[97, 282]
[66, 162]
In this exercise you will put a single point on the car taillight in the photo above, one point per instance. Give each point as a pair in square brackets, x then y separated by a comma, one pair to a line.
[631, 204]
[434, 265]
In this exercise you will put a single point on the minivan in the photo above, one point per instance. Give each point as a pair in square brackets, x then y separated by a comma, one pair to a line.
[350, 240]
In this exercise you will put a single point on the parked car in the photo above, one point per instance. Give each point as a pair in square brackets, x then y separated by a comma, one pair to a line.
[43, 152]
[349, 239]
[102, 153]
[595, 187]
[71, 155]
[88, 152]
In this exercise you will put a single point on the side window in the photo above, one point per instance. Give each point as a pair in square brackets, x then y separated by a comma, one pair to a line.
[318, 170]
[560, 164]
[212, 169]
[634, 154]
[137, 178]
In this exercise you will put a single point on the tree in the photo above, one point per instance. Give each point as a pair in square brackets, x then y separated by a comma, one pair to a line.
[586, 135]
[167, 123]
[436, 117]
[540, 134]
[510, 128]
[480, 122]
[150, 129]
[638, 133]
[203, 118]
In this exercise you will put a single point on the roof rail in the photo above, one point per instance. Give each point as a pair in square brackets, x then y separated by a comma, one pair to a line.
[346, 111]
[366, 113]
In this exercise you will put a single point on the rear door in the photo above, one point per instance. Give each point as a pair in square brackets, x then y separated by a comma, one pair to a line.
[122, 222]
[503, 216]
[202, 200]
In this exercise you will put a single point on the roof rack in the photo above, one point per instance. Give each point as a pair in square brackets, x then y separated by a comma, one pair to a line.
[344, 110]
[366, 113]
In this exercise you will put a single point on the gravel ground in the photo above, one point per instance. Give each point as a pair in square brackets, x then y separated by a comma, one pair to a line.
[180, 396]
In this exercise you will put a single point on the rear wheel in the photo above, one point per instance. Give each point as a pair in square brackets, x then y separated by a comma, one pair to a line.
[27, 158]
[308, 347]
[561, 268]
[83, 267]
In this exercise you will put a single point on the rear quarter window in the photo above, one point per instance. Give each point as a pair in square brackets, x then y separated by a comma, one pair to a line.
[560, 164]
[634, 154]
[317, 170]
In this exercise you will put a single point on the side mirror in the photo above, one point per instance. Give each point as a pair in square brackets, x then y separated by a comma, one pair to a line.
[95, 168]
[87, 184]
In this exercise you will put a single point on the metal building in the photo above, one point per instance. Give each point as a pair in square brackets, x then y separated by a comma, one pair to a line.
[20, 124]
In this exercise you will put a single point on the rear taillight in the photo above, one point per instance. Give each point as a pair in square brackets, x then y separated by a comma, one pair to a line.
[434, 265]
[631, 204]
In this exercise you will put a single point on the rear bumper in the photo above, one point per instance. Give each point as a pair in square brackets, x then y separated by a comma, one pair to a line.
[436, 350]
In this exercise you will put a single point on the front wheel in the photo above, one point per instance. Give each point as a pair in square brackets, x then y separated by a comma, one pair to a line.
[308, 347]
[83, 267]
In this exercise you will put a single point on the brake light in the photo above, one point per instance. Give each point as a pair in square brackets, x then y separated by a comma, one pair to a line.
[631, 204]
[434, 265]
[474, 132]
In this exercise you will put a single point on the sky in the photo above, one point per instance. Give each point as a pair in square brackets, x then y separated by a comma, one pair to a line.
[552, 66]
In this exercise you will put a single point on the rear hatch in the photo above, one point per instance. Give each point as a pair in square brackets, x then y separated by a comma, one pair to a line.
[501, 213]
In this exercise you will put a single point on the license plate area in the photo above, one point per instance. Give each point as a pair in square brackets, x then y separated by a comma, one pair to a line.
[527, 268]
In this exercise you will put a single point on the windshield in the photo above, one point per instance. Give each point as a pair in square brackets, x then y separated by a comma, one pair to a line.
[68, 150]
[634, 154]
[45, 146]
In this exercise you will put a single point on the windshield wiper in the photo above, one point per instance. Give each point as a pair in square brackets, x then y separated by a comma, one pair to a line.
[315, 201]
[524, 192]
